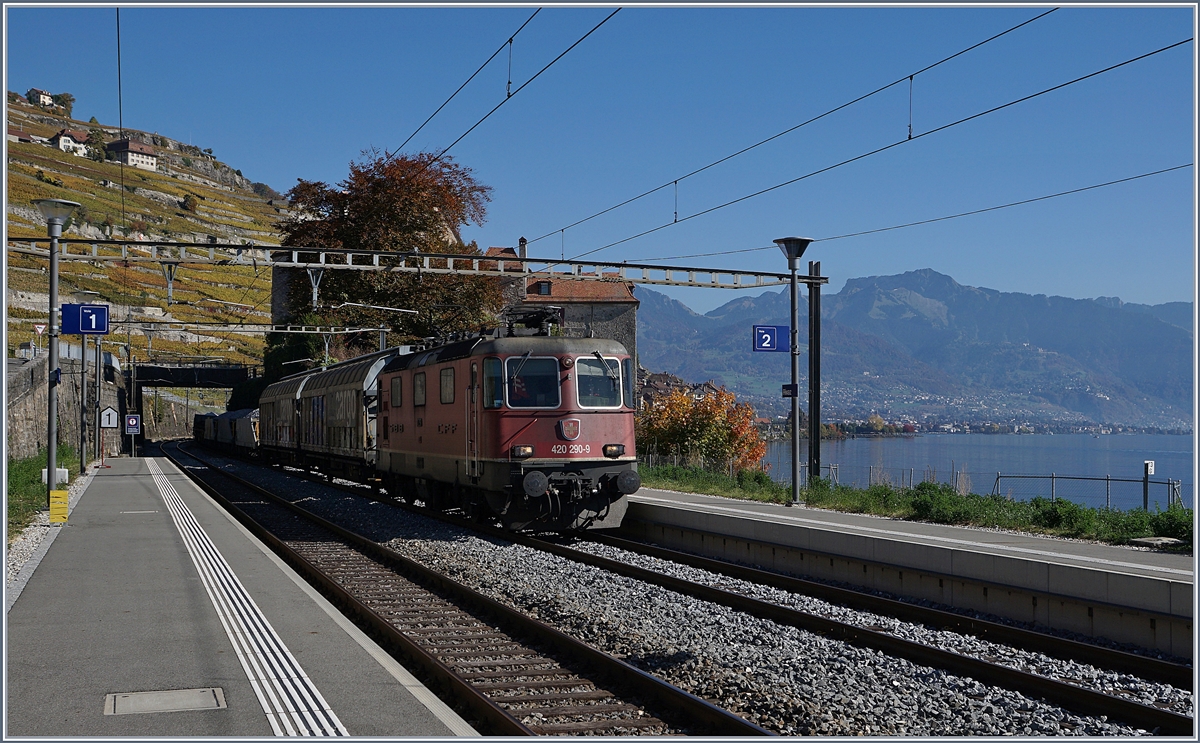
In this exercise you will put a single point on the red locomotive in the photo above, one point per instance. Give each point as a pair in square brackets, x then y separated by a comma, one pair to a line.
[537, 431]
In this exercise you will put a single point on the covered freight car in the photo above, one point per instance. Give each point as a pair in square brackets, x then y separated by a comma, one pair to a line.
[325, 418]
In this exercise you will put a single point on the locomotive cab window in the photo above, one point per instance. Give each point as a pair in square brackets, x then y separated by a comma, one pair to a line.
[532, 383]
[493, 383]
[397, 399]
[599, 382]
[418, 390]
[447, 385]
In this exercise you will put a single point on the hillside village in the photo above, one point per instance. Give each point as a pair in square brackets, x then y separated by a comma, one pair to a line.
[144, 186]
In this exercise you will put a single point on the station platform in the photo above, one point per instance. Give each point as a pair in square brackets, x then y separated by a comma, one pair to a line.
[1140, 597]
[155, 614]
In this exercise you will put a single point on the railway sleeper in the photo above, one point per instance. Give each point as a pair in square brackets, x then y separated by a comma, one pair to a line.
[529, 673]
[594, 695]
[463, 653]
[562, 710]
[500, 663]
[639, 723]
[511, 685]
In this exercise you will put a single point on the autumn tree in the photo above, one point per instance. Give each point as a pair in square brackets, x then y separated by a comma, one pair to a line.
[713, 427]
[64, 100]
[400, 204]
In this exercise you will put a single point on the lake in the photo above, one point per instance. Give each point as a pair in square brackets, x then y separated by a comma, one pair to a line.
[935, 456]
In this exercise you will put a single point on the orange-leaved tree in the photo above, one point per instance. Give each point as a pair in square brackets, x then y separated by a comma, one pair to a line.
[403, 204]
[714, 426]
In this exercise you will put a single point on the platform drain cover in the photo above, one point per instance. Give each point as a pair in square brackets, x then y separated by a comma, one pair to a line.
[176, 700]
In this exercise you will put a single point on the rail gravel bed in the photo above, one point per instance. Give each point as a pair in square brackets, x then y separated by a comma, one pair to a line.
[787, 680]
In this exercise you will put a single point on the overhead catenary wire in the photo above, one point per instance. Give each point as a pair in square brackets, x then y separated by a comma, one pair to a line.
[521, 87]
[884, 148]
[388, 156]
[937, 219]
[802, 124]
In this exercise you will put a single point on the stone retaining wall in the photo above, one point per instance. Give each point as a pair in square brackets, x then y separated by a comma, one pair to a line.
[27, 406]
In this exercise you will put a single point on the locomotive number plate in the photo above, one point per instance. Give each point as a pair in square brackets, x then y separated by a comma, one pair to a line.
[571, 449]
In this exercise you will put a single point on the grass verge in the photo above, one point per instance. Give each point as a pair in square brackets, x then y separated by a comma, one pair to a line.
[939, 504]
[26, 493]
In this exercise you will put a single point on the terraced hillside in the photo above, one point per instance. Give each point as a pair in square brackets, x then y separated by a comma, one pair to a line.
[192, 197]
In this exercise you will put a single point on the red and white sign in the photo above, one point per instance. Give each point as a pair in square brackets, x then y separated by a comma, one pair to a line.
[40, 329]
[570, 428]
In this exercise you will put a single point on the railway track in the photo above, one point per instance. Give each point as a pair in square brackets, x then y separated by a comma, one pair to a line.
[1142, 666]
[1064, 692]
[1152, 669]
[518, 675]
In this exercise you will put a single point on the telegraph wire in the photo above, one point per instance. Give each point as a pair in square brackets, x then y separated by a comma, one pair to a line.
[512, 95]
[389, 156]
[938, 219]
[805, 123]
[1005, 206]
[884, 148]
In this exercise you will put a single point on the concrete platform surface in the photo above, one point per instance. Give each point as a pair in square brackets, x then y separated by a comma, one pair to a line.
[151, 588]
[1008, 544]
[1137, 597]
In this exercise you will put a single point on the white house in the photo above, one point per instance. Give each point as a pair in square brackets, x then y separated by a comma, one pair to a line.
[69, 140]
[39, 97]
[137, 154]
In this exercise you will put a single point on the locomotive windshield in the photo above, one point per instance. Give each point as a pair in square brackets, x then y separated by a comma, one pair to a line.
[599, 382]
[532, 383]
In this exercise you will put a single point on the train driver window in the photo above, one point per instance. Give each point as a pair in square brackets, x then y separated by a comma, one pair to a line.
[493, 384]
[599, 382]
[447, 385]
[419, 388]
[397, 398]
[532, 383]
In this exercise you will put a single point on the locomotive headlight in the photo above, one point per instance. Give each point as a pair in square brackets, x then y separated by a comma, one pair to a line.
[612, 451]
[522, 451]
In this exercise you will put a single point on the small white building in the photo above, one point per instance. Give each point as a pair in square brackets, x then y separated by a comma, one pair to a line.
[40, 97]
[137, 154]
[69, 140]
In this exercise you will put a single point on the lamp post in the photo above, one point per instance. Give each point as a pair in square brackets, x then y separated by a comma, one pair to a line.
[58, 214]
[793, 248]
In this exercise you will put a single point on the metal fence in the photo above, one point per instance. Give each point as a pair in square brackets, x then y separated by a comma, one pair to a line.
[1071, 485]
[1097, 492]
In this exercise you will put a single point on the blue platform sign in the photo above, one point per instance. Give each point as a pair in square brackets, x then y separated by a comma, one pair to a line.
[85, 319]
[771, 337]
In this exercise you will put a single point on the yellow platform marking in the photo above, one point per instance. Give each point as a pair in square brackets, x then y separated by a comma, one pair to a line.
[58, 506]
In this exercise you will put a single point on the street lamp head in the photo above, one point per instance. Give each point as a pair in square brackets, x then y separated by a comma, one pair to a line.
[793, 247]
[55, 210]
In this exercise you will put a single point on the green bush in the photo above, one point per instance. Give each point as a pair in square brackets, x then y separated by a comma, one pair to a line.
[1062, 516]
[747, 485]
[1175, 522]
[940, 505]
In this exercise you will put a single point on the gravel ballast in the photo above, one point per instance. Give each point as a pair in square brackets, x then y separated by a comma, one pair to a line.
[785, 679]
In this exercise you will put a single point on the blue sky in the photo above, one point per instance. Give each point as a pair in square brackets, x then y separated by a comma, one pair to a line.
[287, 93]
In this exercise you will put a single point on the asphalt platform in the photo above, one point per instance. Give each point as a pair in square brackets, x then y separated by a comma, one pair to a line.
[155, 614]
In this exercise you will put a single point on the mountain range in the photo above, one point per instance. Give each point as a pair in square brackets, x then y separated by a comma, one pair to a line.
[920, 346]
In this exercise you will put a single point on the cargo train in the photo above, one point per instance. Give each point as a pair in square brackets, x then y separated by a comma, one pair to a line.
[535, 432]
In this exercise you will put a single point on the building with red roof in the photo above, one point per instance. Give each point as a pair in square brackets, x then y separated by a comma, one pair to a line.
[603, 307]
[70, 140]
[132, 152]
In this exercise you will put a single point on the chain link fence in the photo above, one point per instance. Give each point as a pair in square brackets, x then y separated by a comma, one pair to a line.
[1097, 492]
